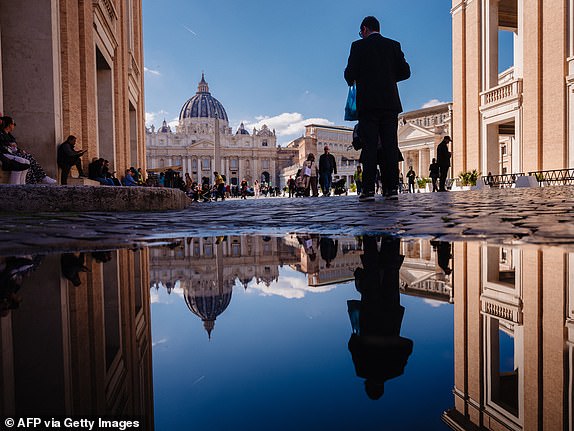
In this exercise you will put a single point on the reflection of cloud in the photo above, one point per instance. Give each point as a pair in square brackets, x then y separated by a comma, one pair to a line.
[288, 287]
[154, 296]
[162, 297]
[432, 102]
[162, 341]
[190, 30]
[433, 302]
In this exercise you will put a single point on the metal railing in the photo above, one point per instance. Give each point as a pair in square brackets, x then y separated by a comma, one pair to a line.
[554, 176]
[501, 181]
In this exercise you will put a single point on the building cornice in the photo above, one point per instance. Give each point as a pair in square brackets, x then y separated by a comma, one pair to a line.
[461, 5]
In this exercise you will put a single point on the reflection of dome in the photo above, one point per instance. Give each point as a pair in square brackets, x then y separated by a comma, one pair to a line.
[203, 104]
[207, 306]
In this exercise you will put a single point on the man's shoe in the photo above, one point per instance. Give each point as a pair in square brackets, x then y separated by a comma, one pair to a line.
[392, 195]
[367, 197]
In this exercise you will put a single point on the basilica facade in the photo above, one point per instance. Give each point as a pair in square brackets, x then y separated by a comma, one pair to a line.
[203, 142]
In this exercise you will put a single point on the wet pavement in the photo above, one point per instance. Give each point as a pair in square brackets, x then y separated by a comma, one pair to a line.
[541, 217]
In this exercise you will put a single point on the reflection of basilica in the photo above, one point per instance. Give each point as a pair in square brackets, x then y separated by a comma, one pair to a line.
[513, 339]
[207, 269]
[77, 342]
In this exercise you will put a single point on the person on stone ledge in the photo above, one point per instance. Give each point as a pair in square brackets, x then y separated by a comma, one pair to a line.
[71, 265]
[24, 168]
[68, 157]
[379, 352]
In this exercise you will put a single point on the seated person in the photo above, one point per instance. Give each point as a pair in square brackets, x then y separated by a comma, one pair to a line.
[96, 172]
[68, 157]
[11, 161]
[129, 179]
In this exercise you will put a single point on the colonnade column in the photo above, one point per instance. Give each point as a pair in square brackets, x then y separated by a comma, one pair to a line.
[490, 44]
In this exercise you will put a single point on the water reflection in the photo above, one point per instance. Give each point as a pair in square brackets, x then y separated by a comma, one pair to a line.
[75, 336]
[379, 352]
[513, 338]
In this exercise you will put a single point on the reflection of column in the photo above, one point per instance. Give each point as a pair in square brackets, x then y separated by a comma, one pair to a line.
[60, 340]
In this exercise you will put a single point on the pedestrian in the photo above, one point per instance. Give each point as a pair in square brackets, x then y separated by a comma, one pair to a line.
[434, 174]
[358, 176]
[256, 189]
[243, 188]
[310, 172]
[220, 186]
[188, 182]
[401, 183]
[291, 186]
[375, 65]
[68, 157]
[443, 160]
[327, 167]
[411, 176]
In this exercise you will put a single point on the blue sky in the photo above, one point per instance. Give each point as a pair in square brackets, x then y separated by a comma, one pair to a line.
[281, 63]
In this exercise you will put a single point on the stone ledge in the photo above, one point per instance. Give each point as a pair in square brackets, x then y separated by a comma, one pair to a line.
[46, 198]
[82, 182]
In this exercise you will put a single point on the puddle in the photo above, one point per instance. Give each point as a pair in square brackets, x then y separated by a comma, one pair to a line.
[293, 332]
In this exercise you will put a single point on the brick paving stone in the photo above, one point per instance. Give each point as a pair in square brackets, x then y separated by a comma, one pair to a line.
[543, 216]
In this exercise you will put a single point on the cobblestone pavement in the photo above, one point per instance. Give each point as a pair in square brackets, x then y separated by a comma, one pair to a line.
[543, 216]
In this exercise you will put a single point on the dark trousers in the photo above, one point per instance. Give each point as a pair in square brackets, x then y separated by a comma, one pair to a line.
[442, 178]
[434, 186]
[65, 167]
[375, 127]
[220, 192]
[325, 179]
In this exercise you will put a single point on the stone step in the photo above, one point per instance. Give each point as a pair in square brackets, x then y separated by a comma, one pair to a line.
[82, 182]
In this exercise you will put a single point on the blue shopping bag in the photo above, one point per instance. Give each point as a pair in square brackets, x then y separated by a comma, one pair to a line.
[351, 106]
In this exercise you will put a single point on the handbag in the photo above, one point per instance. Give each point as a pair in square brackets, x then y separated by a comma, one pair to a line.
[351, 106]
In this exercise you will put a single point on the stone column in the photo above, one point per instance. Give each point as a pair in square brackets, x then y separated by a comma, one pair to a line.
[31, 76]
[490, 45]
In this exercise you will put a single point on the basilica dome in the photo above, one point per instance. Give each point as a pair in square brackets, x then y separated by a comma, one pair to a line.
[203, 105]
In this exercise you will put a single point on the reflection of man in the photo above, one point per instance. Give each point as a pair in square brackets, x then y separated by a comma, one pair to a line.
[443, 251]
[379, 352]
[72, 265]
[328, 249]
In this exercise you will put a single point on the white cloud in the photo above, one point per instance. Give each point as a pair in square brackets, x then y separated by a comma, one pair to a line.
[433, 302]
[190, 30]
[287, 124]
[432, 102]
[173, 123]
[155, 118]
[151, 71]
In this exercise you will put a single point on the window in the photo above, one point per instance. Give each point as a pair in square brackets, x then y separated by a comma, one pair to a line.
[205, 164]
[194, 164]
[503, 150]
[264, 143]
[234, 164]
[265, 164]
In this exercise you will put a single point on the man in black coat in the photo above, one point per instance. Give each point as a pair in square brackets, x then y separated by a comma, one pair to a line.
[443, 161]
[327, 167]
[376, 64]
